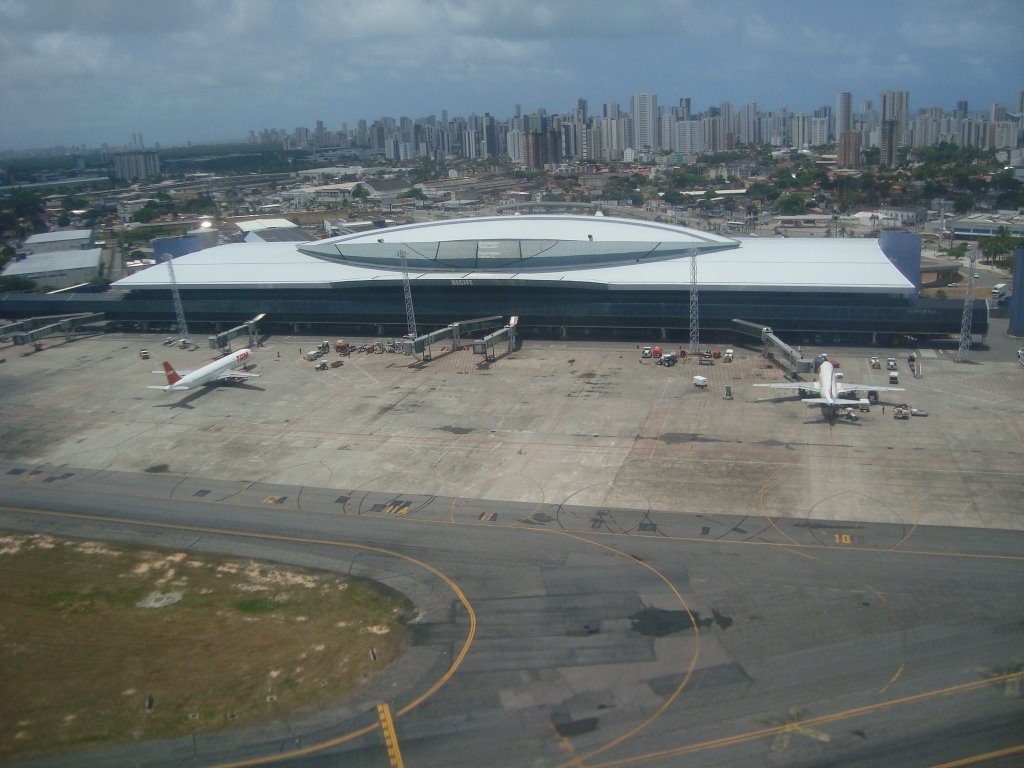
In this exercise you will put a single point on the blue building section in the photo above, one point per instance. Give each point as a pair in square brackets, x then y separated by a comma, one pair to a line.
[903, 249]
[1017, 299]
[175, 246]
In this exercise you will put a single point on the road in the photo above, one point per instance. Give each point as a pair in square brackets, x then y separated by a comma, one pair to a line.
[560, 635]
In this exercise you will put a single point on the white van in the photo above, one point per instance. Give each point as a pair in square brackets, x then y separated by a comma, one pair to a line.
[894, 377]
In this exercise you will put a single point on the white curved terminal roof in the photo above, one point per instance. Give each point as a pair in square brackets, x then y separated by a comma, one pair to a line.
[768, 264]
[580, 228]
[517, 244]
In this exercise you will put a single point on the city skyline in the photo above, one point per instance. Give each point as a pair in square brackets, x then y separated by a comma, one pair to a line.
[200, 71]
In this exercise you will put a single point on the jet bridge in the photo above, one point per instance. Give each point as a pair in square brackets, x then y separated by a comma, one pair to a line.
[455, 332]
[775, 348]
[248, 329]
[33, 329]
[486, 345]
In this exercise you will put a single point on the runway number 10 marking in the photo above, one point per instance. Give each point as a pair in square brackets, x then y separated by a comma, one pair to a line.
[843, 538]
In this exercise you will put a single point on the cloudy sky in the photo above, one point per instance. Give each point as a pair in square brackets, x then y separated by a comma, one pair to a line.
[94, 71]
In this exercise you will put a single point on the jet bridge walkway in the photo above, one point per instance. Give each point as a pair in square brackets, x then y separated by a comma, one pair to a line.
[775, 348]
[507, 335]
[453, 333]
[31, 330]
[248, 329]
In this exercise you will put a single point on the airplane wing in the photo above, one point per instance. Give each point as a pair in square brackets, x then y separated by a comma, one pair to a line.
[229, 374]
[809, 386]
[845, 387]
[180, 373]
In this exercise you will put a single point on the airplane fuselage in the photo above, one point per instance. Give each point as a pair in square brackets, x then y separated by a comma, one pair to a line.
[207, 374]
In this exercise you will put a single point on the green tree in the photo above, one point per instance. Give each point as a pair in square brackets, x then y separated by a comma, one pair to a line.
[16, 284]
[763, 191]
[6, 254]
[963, 203]
[792, 205]
[958, 251]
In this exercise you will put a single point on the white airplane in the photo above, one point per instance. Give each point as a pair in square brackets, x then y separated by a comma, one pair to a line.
[829, 387]
[219, 370]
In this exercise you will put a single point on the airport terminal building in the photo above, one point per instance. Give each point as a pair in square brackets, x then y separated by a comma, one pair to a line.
[563, 276]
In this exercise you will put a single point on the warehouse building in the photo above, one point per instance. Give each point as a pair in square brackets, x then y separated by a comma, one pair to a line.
[57, 269]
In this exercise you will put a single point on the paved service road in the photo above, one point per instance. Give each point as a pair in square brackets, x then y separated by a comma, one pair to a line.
[557, 635]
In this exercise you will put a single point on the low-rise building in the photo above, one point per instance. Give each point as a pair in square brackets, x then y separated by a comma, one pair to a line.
[64, 240]
[58, 269]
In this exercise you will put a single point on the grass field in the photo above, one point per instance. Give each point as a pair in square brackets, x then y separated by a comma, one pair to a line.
[226, 643]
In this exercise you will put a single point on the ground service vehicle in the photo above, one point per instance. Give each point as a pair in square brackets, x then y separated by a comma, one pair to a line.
[646, 352]
[999, 290]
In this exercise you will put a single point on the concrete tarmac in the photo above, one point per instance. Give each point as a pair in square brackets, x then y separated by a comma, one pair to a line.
[573, 423]
[656, 575]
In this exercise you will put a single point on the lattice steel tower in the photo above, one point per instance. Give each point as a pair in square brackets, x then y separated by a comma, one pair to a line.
[179, 311]
[410, 314]
[964, 350]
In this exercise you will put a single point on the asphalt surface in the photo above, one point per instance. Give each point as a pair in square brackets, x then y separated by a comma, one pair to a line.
[696, 640]
[610, 567]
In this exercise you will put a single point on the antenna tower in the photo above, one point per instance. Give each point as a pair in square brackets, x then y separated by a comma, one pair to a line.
[179, 311]
[410, 314]
[694, 313]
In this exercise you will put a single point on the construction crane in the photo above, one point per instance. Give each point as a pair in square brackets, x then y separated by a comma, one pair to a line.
[410, 314]
[179, 311]
[694, 309]
[964, 350]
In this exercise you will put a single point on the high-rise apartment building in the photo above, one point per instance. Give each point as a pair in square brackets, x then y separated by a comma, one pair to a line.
[896, 107]
[728, 115]
[132, 166]
[666, 134]
[800, 131]
[689, 137]
[747, 125]
[887, 143]
[819, 131]
[714, 134]
[844, 113]
[848, 155]
[645, 120]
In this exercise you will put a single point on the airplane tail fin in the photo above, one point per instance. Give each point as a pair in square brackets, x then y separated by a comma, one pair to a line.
[172, 375]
